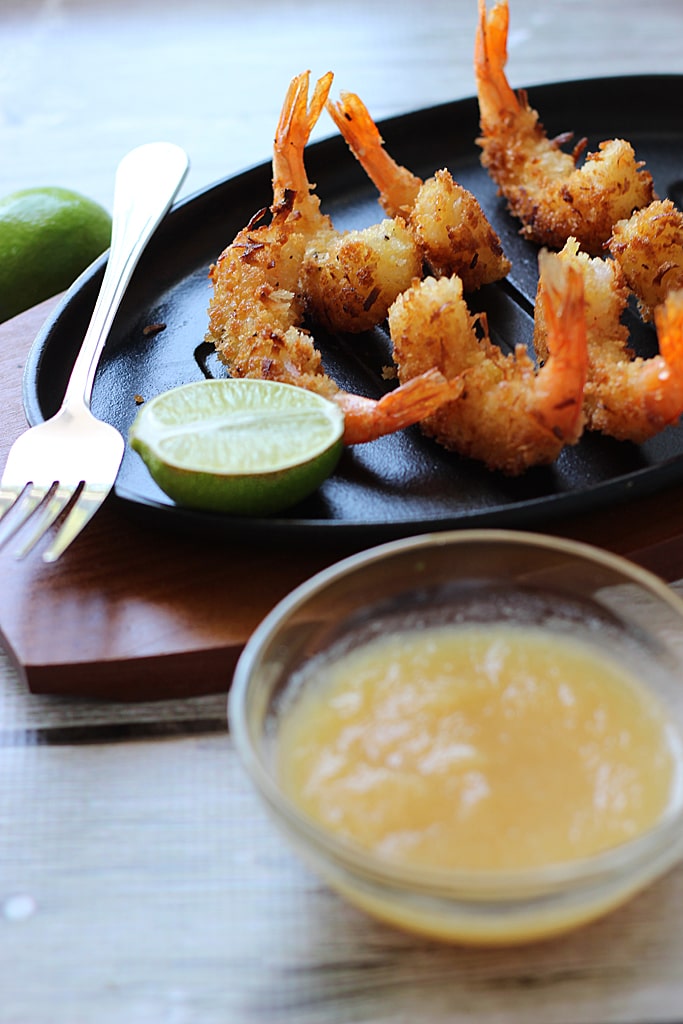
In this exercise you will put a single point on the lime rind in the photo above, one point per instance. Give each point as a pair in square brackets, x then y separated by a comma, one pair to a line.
[241, 495]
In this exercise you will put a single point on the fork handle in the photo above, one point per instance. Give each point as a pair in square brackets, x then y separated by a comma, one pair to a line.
[147, 180]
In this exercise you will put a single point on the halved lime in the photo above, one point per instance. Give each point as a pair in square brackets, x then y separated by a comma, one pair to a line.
[247, 447]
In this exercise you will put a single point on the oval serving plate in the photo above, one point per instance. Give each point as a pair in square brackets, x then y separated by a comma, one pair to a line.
[405, 483]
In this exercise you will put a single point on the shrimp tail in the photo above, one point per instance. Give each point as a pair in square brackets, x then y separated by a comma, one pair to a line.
[367, 419]
[669, 324]
[296, 122]
[664, 394]
[397, 186]
[496, 96]
[562, 379]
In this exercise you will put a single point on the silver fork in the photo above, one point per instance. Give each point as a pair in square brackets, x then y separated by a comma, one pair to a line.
[73, 454]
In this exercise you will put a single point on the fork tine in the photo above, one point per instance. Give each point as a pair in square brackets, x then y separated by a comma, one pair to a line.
[45, 517]
[84, 508]
[30, 501]
[9, 495]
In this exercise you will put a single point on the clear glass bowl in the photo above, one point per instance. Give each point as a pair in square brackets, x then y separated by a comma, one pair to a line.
[473, 576]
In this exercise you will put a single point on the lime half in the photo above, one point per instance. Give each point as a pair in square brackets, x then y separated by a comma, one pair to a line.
[247, 447]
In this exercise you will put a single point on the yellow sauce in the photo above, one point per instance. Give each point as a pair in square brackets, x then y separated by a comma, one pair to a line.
[481, 748]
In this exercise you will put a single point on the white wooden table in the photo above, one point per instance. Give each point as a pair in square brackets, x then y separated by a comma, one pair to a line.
[139, 879]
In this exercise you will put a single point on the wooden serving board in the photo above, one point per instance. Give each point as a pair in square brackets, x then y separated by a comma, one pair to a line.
[129, 613]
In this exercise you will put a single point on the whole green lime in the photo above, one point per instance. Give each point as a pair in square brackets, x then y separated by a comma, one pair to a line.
[48, 236]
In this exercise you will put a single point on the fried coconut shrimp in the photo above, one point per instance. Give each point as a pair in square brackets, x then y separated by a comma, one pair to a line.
[510, 415]
[257, 307]
[626, 397]
[449, 226]
[649, 248]
[543, 186]
[347, 280]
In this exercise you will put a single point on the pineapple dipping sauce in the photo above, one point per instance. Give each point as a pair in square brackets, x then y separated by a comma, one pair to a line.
[480, 747]
[475, 736]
